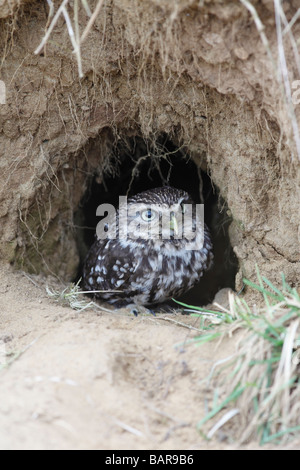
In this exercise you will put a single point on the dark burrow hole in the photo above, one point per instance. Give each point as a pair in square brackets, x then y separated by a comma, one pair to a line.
[139, 166]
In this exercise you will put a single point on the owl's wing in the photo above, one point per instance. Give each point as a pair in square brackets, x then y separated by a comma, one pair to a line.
[109, 266]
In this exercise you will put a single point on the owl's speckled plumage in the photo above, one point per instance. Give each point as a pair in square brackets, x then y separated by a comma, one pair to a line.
[148, 271]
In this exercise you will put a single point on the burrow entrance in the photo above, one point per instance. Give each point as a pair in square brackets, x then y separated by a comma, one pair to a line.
[137, 165]
[197, 75]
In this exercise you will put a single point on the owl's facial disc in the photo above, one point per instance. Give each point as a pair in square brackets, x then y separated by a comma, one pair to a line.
[149, 215]
[166, 220]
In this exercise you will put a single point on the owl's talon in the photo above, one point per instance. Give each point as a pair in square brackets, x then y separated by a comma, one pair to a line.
[139, 310]
[134, 311]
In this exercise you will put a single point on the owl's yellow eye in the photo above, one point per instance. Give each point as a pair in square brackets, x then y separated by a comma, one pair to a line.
[148, 215]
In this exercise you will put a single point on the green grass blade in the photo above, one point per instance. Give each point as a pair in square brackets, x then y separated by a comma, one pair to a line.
[200, 309]
[278, 435]
[281, 296]
[232, 397]
[261, 289]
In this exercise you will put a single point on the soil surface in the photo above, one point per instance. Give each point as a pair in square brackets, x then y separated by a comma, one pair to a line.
[197, 72]
[95, 380]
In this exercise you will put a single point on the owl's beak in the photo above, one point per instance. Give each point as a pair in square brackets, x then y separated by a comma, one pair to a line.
[174, 224]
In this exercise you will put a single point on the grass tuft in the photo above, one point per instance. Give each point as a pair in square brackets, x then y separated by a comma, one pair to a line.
[72, 297]
[260, 383]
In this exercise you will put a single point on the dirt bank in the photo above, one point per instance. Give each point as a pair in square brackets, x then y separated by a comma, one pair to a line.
[199, 75]
[163, 83]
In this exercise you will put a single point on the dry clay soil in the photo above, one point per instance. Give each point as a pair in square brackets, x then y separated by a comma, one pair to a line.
[94, 380]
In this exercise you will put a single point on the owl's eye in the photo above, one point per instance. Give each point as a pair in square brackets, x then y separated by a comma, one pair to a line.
[148, 215]
[182, 205]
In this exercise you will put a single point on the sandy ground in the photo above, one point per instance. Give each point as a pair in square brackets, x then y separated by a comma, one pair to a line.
[95, 380]
[199, 75]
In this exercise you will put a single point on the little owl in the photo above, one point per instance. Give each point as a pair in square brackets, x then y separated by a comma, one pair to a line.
[153, 256]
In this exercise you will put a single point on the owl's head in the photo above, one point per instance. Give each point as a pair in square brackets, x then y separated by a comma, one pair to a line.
[159, 213]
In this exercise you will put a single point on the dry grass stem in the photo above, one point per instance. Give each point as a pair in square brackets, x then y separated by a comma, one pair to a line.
[75, 37]
[282, 74]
